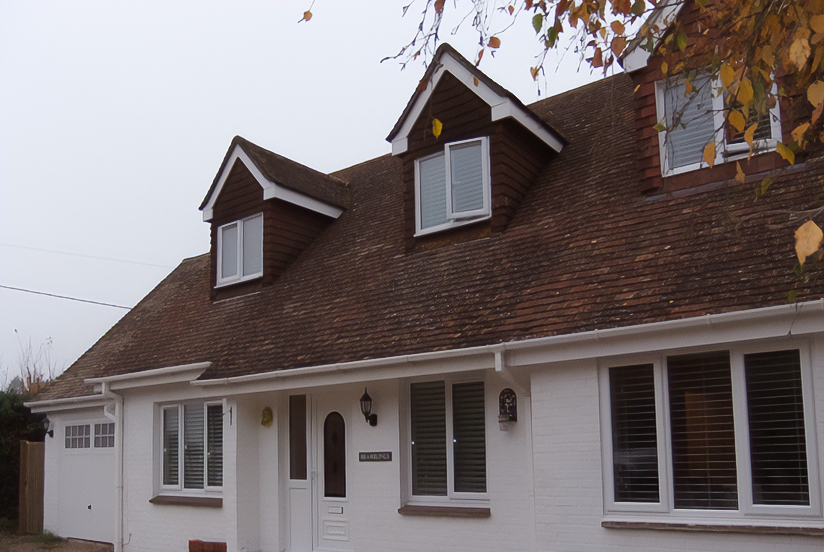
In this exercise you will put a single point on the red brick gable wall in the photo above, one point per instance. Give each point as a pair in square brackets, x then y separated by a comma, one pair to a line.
[287, 228]
[516, 157]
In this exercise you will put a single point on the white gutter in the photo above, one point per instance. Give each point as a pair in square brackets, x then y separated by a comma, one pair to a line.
[157, 376]
[119, 455]
[70, 403]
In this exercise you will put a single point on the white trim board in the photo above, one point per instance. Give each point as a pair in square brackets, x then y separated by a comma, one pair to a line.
[502, 107]
[271, 190]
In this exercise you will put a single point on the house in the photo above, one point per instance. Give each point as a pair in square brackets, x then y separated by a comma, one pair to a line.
[543, 329]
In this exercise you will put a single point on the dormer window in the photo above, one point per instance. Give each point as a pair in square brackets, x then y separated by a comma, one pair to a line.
[452, 187]
[240, 250]
[695, 119]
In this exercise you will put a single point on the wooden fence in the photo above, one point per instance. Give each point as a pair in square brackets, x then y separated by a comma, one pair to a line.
[31, 487]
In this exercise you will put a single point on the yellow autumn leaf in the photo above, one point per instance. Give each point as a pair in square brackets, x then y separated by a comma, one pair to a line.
[808, 240]
[749, 134]
[737, 120]
[785, 152]
[739, 174]
[798, 132]
[817, 23]
[745, 94]
[437, 127]
[664, 68]
[815, 93]
[307, 15]
[767, 55]
[494, 42]
[439, 5]
[727, 74]
[618, 45]
[709, 154]
[617, 27]
[534, 72]
[799, 51]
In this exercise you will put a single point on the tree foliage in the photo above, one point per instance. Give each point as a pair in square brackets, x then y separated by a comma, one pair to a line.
[17, 423]
[760, 51]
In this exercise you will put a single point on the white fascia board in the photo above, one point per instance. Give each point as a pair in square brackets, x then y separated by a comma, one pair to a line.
[146, 378]
[708, 330]
[764, 323]
[270, 189]
[501, 106]
[663, 15]
[70, 403]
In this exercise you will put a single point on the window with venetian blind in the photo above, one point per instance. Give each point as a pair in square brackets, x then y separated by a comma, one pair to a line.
[742, 452]
[240, 250]
[452, 186]
[447, 439]
[192, 445]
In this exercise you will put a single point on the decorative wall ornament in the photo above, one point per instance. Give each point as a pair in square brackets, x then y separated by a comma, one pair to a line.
[507, 408]
[266, 418]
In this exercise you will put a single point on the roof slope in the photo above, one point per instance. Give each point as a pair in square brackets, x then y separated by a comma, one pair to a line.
[585, 251]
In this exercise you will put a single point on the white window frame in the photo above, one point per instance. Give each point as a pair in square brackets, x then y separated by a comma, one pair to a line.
[452, 498]
[455, 219]
[78, 438]
[104, 437]
[747, 512]
[239, 277]
[179, 487]
[724, 152]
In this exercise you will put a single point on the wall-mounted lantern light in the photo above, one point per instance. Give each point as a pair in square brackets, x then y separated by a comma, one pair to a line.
[48, 426]
[507, 409]
[366, 409]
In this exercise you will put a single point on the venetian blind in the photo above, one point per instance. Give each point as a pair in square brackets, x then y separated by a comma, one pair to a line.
[228, 251]
[466, 173]
[469, 437]
[703, 436]
[778, 449]
[690, 121]
[253, 245]
[428, 428]
[634, 434]
[432, 183]
[193, 446]
[214, 445]
[171, 446]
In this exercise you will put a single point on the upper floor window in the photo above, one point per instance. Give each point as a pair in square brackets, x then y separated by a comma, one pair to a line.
[240, 250]
[722, 431]
[695, 119]
[452, 187]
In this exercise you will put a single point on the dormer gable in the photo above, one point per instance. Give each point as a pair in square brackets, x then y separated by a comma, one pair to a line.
[264, 210]
[468, 179]
[673, 159]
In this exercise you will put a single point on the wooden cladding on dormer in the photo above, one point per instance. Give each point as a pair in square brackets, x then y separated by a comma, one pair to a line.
[515, 157]
[287, 229]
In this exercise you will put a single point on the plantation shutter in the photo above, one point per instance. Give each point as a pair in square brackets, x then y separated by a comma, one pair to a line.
[634, 434]
[428, 432]
[432, 183]
[193, 446]
[214, 445]
[778, 448]
[690, 121]
[467, 178]
[253, 245]
[703, 436]
[469, 437]
[171, 446]
[228, 251]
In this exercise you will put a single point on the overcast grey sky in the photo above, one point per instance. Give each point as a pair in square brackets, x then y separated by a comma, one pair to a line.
[115, 116]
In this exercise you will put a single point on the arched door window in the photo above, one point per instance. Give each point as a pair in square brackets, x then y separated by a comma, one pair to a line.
[334, 456]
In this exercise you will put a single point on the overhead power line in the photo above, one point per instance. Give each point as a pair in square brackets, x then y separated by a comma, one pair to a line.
[82, 255]
[65, 297]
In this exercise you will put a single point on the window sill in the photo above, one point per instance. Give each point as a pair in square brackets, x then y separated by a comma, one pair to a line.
[199, 501]
[750, 529]
[444, 511]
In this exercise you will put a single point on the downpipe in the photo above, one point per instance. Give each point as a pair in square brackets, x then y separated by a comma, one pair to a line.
[117, 418]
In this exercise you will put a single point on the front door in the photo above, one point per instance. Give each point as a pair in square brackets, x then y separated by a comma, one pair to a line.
[318, 504]
[332, 487]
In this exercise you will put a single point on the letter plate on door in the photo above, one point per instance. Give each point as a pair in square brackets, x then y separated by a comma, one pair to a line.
[334, 509]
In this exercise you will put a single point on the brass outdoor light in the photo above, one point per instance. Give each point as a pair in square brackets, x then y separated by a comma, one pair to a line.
[366, 409]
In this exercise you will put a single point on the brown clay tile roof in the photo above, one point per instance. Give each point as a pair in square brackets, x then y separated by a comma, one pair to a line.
[288, 173]
[584, 251]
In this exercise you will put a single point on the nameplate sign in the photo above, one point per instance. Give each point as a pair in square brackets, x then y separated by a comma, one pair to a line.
[375, 456]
